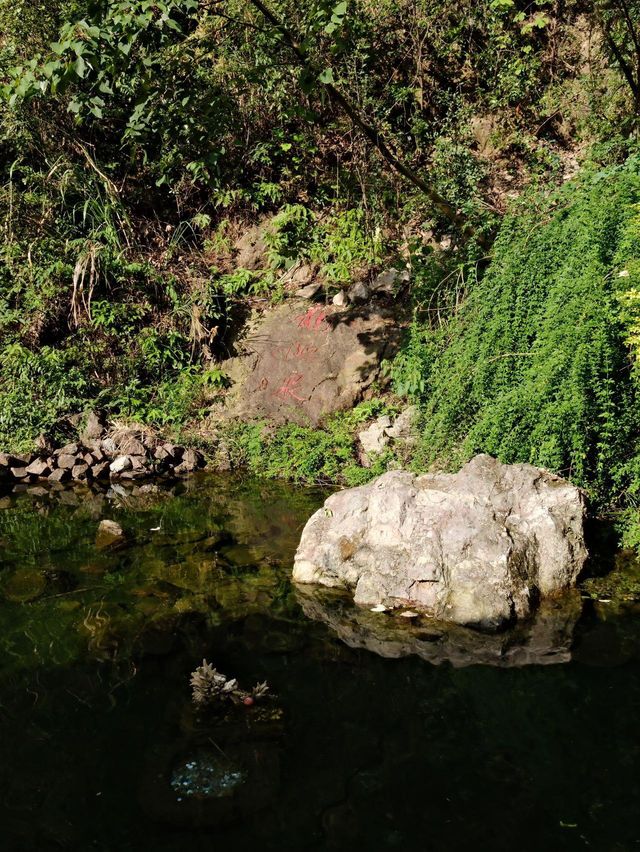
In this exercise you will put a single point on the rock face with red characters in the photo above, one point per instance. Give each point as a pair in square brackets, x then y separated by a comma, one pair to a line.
[306, 360]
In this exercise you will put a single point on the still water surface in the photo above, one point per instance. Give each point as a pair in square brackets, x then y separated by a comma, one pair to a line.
[383, 734]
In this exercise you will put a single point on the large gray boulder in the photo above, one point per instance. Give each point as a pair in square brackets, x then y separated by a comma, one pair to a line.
[479, 547]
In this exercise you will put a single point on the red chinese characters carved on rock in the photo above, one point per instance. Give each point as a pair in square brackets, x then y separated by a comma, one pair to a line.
[300, 352]
[290, 386]
[313, 320]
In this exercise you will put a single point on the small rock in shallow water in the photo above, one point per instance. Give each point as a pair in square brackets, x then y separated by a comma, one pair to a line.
[110, 534]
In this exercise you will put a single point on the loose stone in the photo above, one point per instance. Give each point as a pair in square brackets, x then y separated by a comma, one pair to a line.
[39, 468]
[110, 534]
[121, 464]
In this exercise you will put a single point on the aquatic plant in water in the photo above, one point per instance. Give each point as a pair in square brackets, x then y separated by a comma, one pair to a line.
[209, 686]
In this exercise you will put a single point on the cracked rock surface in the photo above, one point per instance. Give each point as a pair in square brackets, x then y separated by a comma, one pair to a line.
[479, 547]
[304, 360]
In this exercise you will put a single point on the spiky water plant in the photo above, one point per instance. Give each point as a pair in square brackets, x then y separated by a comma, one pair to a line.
[208, 685]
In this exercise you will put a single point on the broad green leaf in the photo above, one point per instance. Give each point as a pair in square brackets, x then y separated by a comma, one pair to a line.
[173, 25]
[327, 76]
[340, 11]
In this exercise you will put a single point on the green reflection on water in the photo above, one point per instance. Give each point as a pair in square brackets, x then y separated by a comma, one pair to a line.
[213, 546]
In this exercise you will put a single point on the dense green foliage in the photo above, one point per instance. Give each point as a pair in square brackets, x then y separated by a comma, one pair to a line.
[209, 99]
[303, 454]
[535, 365]
[139, 140]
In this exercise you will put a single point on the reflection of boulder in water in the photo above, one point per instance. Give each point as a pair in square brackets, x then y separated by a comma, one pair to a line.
[609, 634]
[543, 639]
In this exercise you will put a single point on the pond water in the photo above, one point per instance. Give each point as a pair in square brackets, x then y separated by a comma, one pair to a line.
[382, 733]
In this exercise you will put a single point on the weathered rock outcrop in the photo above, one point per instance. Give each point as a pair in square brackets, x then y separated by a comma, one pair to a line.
[479, 547]
[304, 360]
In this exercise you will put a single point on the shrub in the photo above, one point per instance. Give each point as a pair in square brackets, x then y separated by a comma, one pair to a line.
[304, 454]
[535, 365]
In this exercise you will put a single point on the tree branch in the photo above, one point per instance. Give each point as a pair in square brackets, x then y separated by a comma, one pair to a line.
[370, 132]
[622, 62]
